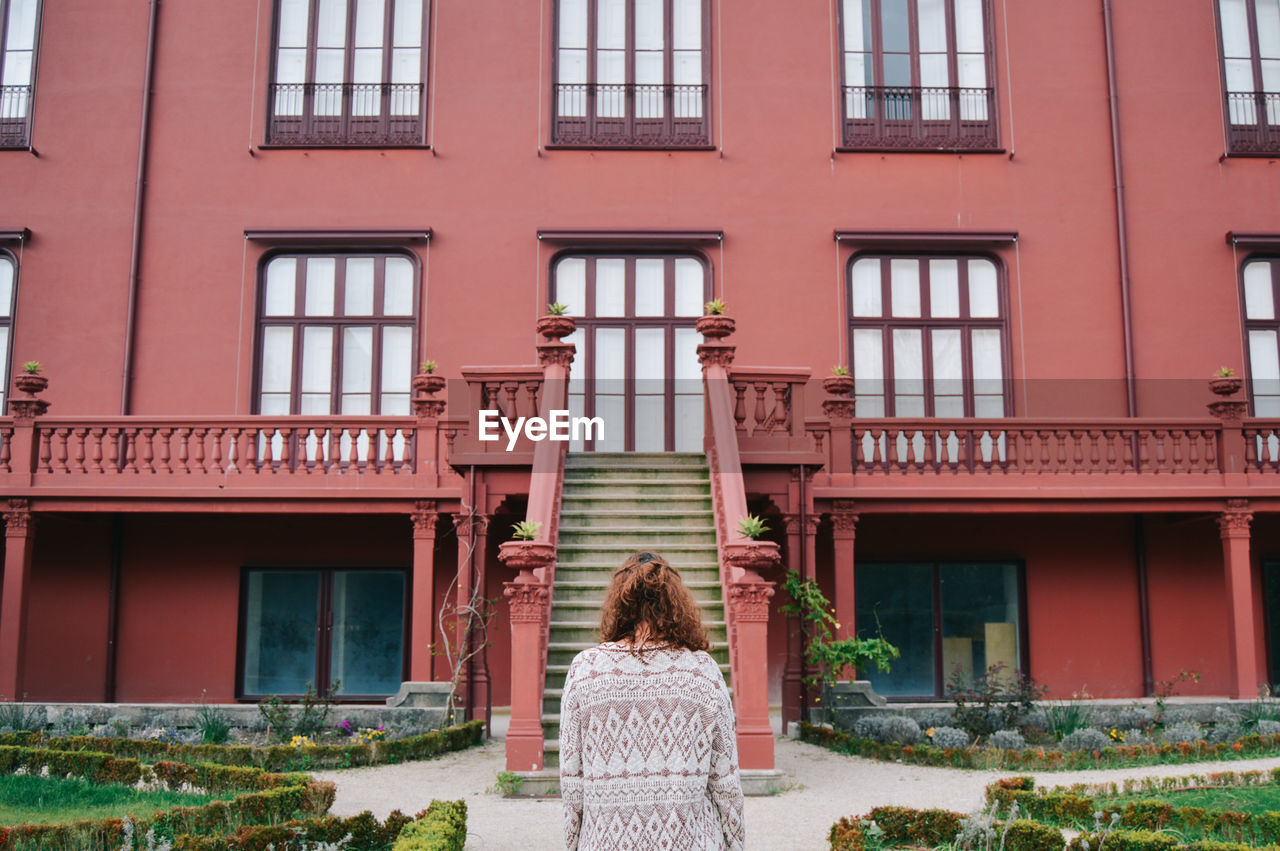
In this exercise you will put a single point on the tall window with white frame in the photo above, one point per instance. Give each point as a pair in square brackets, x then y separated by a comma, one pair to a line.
[631, 73]
[1251, 74]
[19, 25]
[1261, 280]
[348, 72]
[918, 75]
[336, 334]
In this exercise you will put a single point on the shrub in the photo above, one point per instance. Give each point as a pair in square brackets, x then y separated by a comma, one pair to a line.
[950, 737]
[1134, 718]
[903, 825]
[997, 700]
[847, 834]
[935, 718]
[443, 827]
[1127, 840]
[213, 724]
[1027, 835]
[1183, 731]
[1225, 731]
[1008, 740]
[1086, 739]
[1267, 727]
[17, 717]
[1066, 718]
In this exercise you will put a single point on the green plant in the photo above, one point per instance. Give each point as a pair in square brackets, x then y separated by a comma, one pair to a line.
[1225, 372]
[715, 307]
[214, 724]
[32, 367]
[839, 369]
[311, 717]
[442, 827]
[427, 367]
[1068, 716]
[525, 530]
[557, 309]
[509, 783]
[823, 652]
[17, 716]
[1165, 688]
[994, 701]
[752, 526]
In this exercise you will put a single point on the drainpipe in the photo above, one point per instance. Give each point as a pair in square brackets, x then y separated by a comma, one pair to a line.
[1131, 398]
[135, 255]
[113, 605]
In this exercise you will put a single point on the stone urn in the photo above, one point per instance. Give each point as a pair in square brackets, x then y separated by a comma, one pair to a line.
[556, 326]
[838, 385]
[1226, 385]
[526, 555]
[30, 383]
[429, 383]
[715, 326]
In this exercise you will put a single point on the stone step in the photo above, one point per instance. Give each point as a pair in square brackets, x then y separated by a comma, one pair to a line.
[648, 472]
[592, 586]
[686, 484]
[602, 574]
[588, 631]
[609, 520]
[575, 460]
[613, 554]
[654, 536]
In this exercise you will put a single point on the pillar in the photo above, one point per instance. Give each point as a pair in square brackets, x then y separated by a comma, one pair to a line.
[750, 602]
[527, 599]
[844, 524]
[793, 673]
[423, 609]
[19, 535]
[1233, 525]
[473, 681]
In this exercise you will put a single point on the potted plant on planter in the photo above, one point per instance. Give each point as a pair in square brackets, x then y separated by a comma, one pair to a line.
[30, 380]
[839, 382]
[556, 324]
[427, 380]
[713, 323]
[1225, 382]
[524, 551]
[831, 658]
[752, 526]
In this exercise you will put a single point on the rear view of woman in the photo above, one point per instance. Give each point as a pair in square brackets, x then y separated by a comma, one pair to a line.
[648, 755]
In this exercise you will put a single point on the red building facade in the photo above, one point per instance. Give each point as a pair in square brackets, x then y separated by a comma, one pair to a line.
[229, 237]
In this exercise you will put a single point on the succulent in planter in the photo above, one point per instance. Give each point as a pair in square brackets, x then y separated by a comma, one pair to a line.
[1225, 382]
[839, 382]
[30, 380]
[752, 526]
[427, 367]
[32, 367]
[525, 530]
[713, 323]
[556, 324]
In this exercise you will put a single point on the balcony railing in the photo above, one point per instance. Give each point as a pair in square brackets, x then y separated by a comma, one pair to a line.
[919, 118]
[1254, 122]
[346, 114]
[15, 116]
[631, 115]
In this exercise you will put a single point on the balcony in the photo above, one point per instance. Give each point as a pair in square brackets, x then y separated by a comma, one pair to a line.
[631, 116]
[15, 116]
[914, 118]
[1253, 123]
[346, 114]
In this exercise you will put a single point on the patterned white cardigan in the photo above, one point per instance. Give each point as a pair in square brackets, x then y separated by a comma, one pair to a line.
[648, 753]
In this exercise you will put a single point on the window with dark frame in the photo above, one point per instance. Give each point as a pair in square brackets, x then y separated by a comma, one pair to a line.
[348, 72]
[340, 631]
[1250, 36]
[928, 336]
[19, 24]
[8, 297]
[631, 73]
[1260, 277]
[918, 75]
[336, 334]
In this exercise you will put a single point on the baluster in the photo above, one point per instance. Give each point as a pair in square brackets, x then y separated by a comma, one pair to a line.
[114, 445]
[512, 389]
[1095, 457]
[1042, 437]
[1144, 450]
[930, 460]
[148, 449]
[740, 407]
[334, 459]
[1193, 450]
[184, 435]
[217, 434]
[95, 454]
[878, 459]
[388, 439]
[760, 416]
[63, 439]
[82, 436]
[1162, 465]
[6, 452]
[1010, 451]
[286, 448]
[532, 390]
[1060, 438]
[1175, 438]
[130, 436]
[819, 439]
[781, 407]
[964, 450]
[165, 435]
[1077, 454]
[859, 451]
[1211, 464]
[197, 443]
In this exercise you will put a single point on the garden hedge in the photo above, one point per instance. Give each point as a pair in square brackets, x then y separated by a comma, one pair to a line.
[442, 827]
[366, 832]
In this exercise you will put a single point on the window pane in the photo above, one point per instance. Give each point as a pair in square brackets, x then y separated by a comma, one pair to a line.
[571, 285]
[293, 23]
[932, 22]
[984, 295]
[572, 69]
[331, 24]
[944, 288]
[690, 287]
[973, 75]
[868, 362]
[573, 23]
[897, 72]
[908, 362]
[319, 298]
[648, 25]
[611, 356]
[905, 285]
[397, 299]
[357, 361]
[970, 35]
[948, 369]
[281, 611]
[866, 287]
[17, 70]
[4, 356]
[367, 70]
[22, 25]
[367, 650]
[1268, 29]
[6, 293]
[359, 287]
[611, 277]
[856, 36]
[317, 359]
[291, 68]
[979, 620]
[650, 286]
[406, 69]
[397, 359]
[896, 601]
[369, 23]
[611, 32]
[1258, 298]
[277, 359]
[687, 25]
[894, 28]
[408, 23]
[988, 358]
[933, 74]
[1235, 29]
[1264, 363]
[650, 366]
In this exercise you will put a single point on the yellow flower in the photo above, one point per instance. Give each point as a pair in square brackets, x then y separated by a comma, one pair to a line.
[929, 732]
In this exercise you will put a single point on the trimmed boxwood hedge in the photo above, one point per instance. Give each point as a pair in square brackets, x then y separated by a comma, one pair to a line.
[442, 827]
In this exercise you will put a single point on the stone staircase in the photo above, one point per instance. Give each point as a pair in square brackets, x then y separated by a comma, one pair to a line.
[614, 504]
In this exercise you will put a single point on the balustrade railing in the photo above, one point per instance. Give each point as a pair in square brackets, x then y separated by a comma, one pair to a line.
[765, 403]
[1253, 122]
[631, 115]
[912, 117]
[15, 116]
[513, 392]
[346, 114]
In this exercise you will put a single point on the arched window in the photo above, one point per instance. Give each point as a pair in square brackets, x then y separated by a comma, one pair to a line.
[1261, 278]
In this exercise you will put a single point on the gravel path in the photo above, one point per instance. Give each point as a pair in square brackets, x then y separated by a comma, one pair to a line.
[825, 786]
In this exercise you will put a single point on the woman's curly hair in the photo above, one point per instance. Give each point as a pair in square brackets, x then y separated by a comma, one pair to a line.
[648, 602]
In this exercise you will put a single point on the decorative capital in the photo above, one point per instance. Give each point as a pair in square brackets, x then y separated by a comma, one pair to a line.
[1231, 413]
[844, 518]
[838, 409]
[715, 354]
[1235, 521]
[556, 354]
[464, 524]
[526, 597]
[25, 411]
[424, 408]
[18, 520]
[424, 517]
[749, 601]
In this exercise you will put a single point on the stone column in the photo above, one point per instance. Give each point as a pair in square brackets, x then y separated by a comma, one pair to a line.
[793, 673]
[844, 524]
[19, 535]
[470, 582]
[1233, 525]
[423, 610]
[750, 602]
[528, 599]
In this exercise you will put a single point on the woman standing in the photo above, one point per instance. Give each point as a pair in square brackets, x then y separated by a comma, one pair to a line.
[648, 754]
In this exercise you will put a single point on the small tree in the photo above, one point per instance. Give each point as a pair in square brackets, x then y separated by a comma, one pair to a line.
[827, 655]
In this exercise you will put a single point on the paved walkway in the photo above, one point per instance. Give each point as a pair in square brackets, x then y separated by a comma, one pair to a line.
[825, 786]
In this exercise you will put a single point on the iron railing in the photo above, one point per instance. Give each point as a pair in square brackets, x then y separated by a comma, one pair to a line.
[346, 114]
[631, 115]
[916, 117]
[1253, 122]
[15, 116]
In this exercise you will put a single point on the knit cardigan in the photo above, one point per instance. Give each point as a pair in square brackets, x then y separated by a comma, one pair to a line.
[648, 753]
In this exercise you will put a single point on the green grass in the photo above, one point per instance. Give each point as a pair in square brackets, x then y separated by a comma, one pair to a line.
[1246, 799]
[28, 799]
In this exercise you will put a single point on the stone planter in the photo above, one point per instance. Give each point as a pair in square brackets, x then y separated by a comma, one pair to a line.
[526, 555]
[838, 385]
[556, 327]
[752, 556]
[30, 383]
[714, 327]
[429, 383]
[1226, 385]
